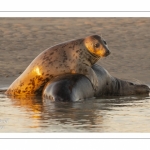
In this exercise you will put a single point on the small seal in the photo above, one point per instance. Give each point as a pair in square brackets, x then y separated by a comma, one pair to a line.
[75, 87]
[75, 57]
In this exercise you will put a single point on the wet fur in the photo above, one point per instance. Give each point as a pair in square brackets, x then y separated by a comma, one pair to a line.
[78, 87]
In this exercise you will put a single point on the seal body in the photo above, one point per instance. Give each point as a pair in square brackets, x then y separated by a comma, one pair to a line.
[71, 87]
[112, 86]
[75, 57]
[77, 87]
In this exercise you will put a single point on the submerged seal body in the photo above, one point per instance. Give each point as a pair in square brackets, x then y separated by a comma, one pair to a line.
[77, 87]
[75, 57]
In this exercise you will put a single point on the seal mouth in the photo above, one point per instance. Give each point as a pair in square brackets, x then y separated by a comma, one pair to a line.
[107, 53]
[98, 57]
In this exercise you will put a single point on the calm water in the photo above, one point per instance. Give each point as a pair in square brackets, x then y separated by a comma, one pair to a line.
[115, 114]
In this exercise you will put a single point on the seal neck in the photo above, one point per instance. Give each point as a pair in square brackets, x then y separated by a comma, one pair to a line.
[91, 57]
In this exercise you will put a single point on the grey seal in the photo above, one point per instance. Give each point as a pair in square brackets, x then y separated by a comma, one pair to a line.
[74, 57]
[78, 87]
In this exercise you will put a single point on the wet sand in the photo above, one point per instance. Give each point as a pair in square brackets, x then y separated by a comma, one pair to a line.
[22, 39]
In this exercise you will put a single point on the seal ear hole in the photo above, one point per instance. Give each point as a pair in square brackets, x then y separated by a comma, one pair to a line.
[97, 45]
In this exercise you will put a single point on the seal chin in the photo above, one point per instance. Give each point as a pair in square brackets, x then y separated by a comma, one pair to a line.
[107, 53]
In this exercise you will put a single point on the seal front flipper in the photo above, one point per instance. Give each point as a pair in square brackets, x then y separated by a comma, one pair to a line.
[91, 75]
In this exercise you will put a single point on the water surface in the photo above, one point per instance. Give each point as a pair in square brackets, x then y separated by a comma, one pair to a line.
[107, 114]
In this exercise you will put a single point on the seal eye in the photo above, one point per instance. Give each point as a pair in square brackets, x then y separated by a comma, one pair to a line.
[104, 42]
[97, 45]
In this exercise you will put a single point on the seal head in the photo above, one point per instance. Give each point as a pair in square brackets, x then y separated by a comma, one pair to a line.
[97, 46]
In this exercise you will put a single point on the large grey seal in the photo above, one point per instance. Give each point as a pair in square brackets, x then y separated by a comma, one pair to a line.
[77, 87]
[75, 57]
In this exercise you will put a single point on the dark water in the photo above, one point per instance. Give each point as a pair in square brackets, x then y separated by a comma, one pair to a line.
[107, 114]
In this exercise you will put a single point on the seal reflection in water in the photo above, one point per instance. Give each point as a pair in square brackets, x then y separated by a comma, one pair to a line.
[71, 57]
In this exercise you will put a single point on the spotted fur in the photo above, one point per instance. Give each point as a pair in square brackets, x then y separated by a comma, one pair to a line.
[76, 56]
